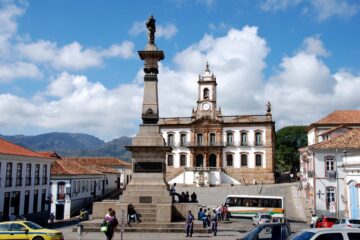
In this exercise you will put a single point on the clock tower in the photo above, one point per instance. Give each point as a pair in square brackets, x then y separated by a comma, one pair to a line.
[206, 103]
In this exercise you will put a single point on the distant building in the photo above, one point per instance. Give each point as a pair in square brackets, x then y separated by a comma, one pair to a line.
[330, 164]
[75, 186]
[24, 183]
[212, 149]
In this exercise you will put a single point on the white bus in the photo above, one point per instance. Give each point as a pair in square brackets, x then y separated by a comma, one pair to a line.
[249, 205]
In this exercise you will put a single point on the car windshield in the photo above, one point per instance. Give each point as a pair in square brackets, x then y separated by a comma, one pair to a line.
[33, 225]
[265, 217]
[302, 236]
[354, 221]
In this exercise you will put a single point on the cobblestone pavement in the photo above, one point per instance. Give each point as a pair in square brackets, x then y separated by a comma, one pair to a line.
[233, 230]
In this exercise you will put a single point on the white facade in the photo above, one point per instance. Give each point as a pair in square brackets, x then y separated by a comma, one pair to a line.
[25, 188]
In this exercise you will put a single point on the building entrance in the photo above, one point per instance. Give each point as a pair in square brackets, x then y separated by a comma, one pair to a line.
[199, 160]
[212, 160]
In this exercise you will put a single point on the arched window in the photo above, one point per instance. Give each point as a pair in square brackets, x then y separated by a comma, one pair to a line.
[229, 139]
[206, 93]
[244, 139]
[212, 160]
[244, 160]
[212, 139]
[258, 139]
[170, 160]
[229, 160]
[170, 139]
[199, 139]
[258, 160]
[182, 160]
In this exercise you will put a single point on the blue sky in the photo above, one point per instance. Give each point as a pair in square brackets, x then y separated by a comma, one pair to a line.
[73, 66]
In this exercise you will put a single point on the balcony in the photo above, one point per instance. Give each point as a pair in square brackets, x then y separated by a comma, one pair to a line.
[331, 174]
[18, 181]
[27, 181]
[244, 144]
[37, 181]
[259, 144]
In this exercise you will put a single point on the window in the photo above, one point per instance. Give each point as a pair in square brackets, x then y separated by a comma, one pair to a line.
[28, 174]
[78, 186]
[229, 139]
[35, 202]
[171, 139]
[83, 186]
[229, 160]
[182, 160]
[206, 93]
[74, 187]
[332, 236]
[243, 139]
[330, 167]
[244, 160]
[43, 199]
[19, 174]
[258, 140]
[330, 196]
[87, 186]
[37, 174]
[16, 227]
[199, 139]
[61, 191]
[44, 176]
[258, 160]
[212, 139]
[183, 139]
[170, 160]
[8, 180]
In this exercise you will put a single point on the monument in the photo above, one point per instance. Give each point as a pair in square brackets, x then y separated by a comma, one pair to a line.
[148, 149]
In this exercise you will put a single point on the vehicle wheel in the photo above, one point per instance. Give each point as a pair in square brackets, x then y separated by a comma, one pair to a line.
[37, 238]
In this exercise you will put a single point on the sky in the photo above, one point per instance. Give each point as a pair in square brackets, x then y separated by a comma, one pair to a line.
[73, 66]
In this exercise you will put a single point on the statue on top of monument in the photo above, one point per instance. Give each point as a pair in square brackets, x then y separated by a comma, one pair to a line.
[150, 25]
[268, 106]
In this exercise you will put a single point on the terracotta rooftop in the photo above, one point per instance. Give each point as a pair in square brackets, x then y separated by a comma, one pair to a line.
[104, 169]
[68, 167]
[13, 149]
[50, 154]
[100, 161]
[333, 129]
[349, 140]
[341, 117]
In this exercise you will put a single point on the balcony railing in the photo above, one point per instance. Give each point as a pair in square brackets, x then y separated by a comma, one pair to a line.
[216, 144]
[331, 174]
[8, 182]
[44, 180]
[28, 181]
[258, 144]
[18, 181]
[37, 181]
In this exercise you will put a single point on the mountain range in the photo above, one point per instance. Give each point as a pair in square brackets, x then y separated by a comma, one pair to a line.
[74, 144]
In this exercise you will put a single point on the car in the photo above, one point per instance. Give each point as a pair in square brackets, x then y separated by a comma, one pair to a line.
[347, 223]
[27, 230]
[271, 231]
[327, 233]
[325, 222]
[261, 218]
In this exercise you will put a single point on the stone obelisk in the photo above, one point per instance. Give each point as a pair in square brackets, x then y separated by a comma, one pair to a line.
[148, 185]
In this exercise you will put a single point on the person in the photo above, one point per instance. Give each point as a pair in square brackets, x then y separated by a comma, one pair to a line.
[202, 217]
[189, 225]
[199, 213]
[111, 222]
[225, 214]
[52, 218]
[187, 196]
[132, 214]
[313, 221]
[208, 217]
[193, 197]
[182, 197]
[214, 222]
[173, 192]
[84, 215]
[219, 212]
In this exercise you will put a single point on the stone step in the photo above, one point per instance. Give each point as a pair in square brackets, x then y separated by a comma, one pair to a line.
[160, 199]
[146, 187]
[147, 215]
[146, 210]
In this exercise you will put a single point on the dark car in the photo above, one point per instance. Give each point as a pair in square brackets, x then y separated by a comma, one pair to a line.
[325, 222]
[270, 231]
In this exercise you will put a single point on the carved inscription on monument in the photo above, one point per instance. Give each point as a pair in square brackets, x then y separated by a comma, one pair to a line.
[145, 199]
[155, 167]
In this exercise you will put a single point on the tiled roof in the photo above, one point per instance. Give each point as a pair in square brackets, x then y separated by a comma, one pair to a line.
[349, 140]
[68, 167]
[13, 149]
[50, 154]
[333, 129]
[100, 161]
[104, 169]
[341, 117]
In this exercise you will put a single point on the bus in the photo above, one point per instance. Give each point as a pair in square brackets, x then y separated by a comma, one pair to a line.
[249, 205]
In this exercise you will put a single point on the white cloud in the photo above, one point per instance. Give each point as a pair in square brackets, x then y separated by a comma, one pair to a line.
[323, 9]
[166, 31]
[15, 70]
[313, 45]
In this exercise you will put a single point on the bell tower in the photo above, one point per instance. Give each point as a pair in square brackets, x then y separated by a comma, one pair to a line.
[206, 103]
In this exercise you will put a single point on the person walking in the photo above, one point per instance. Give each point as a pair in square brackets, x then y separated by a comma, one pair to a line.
[313, 221]
[214, 222]
[110, 222]
[189, 225]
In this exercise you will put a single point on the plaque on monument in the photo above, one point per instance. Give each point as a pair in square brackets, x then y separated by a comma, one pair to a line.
[153, 167]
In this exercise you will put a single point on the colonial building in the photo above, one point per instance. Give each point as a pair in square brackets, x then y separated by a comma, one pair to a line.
[211, 149]
[24, 183]
[330, 164]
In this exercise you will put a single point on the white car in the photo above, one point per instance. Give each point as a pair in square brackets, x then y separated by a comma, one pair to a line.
[347, 223]
[261, 218]
[327, 233]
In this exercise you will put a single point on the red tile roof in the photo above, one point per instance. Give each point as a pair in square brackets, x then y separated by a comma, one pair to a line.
[13, 149]
[68, 167]
[50, 154]
[349, 140]
[341, 117]
[100, 161]
[333, 129]
[104, 169]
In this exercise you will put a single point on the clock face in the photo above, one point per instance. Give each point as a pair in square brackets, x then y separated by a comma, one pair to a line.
[206, 106]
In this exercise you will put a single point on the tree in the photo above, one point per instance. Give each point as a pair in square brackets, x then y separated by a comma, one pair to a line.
[288, 141]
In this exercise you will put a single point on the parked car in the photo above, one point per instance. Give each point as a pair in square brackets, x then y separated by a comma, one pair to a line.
[27, 230]
[325, 222]
[327, 233]
[261, 218]
[347, 223]
[276, 231]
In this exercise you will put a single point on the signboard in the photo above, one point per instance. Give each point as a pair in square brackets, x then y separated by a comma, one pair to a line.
[332, 207]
